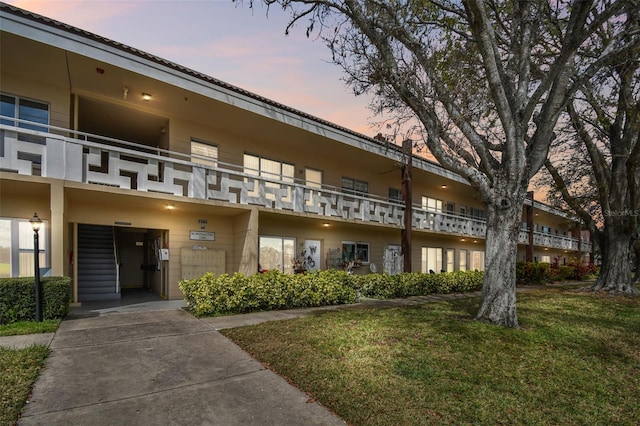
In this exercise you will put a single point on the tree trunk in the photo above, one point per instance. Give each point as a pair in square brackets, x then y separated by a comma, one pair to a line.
[615, 274]
[499, 287]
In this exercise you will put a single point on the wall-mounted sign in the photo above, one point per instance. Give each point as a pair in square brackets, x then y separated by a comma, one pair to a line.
[202, 236]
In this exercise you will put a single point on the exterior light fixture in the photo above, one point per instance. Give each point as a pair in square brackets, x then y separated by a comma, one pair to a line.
[326, 224]
[443, 186]
[170, 207]
[146, 96]
[36, 223]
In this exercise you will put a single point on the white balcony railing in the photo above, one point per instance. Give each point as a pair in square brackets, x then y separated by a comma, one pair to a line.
[87, 158]
[555, 241]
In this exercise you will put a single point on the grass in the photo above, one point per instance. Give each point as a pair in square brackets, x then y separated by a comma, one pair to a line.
[29, 327]
[20, 368]
[574, 361]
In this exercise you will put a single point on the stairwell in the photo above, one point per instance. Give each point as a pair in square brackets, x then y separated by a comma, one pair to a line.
[97, 269]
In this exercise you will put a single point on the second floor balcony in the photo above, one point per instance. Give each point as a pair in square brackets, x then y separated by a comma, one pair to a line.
[80, 157]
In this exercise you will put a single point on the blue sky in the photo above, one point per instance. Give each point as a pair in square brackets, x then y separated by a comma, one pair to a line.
[230, 42]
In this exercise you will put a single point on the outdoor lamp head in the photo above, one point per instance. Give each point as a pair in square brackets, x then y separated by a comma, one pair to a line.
[36, 222]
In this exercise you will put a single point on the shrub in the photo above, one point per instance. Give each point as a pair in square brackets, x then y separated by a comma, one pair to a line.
[384, 286]
[533, 273]
[237, 293]
[582, 270]
[540, 273]
[17, 298]
[566, 272]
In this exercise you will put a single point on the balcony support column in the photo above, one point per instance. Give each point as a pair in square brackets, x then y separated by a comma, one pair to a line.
[530, 216]
[407, 188]
[57, 230]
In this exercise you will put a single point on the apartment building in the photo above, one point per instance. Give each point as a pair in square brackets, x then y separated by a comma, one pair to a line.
[145, 172]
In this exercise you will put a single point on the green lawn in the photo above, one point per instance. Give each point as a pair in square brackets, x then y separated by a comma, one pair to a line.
[29, 327]
[574, 361]
[20, 368]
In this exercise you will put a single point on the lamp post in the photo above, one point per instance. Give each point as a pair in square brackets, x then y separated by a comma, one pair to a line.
[36, 222]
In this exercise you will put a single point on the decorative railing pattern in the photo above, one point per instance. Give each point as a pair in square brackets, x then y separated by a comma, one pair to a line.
[133, 167]
[555, 241]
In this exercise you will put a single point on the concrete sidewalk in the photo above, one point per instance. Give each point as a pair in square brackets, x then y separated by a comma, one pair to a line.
[161, 367]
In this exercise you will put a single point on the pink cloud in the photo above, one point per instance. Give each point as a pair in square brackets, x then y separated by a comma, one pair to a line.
[82, 14]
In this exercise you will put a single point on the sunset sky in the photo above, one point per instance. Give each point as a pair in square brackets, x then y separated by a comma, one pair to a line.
[229, 42]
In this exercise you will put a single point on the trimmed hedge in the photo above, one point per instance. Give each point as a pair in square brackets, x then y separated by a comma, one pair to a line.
[18, 303]
[384, 286]
[237, 293]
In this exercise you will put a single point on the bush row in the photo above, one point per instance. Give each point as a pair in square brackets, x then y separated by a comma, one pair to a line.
[533, 273]
[417, 284]
[237, 293]
[18, 301]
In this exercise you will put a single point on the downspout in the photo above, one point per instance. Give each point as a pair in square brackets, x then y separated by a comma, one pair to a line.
[75, 262]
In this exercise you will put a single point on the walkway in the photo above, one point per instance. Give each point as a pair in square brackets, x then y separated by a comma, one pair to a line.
[160, 368]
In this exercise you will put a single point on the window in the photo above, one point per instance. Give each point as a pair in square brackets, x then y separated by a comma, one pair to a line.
[431, 259]
[463, 211]
[355, 251]
[313, 179]
[450, 208]
[269, 169]
[450, 260]
[395, 195]
[277, 253]
[24, 109]
[545, 259]
[16, 248]
[462, 260]
[546, 230]
[354, 186]
[204, 153]
[477, 213]
[431, 204]
[477, 260]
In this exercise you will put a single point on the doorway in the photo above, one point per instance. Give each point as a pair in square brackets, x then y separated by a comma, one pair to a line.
[131, 258]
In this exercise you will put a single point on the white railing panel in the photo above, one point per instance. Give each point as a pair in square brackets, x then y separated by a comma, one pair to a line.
[173, 173]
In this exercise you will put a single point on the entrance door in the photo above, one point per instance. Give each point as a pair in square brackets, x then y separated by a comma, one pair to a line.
[131, 258]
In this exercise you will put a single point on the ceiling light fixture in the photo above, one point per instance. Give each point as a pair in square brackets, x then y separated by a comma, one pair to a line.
[146, 96]
[170, 207]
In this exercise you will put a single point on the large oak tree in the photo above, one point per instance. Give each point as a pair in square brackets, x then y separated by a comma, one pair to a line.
[598, 170]
[485, 80]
